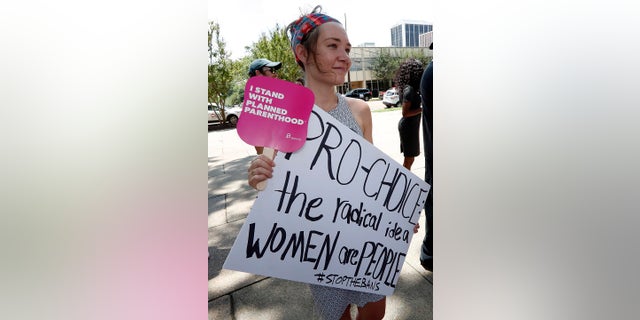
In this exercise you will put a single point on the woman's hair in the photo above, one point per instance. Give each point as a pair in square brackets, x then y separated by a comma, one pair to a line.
[304, 31]
[409, 74]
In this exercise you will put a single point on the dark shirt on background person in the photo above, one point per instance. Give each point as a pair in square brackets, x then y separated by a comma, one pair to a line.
[426, 91]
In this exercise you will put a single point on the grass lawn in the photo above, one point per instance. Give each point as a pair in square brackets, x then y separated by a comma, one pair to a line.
[387, 109]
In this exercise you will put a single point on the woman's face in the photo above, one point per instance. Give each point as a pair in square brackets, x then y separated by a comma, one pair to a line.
[332, 60]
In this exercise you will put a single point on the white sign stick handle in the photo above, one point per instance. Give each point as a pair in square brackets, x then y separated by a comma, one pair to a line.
[269, 152]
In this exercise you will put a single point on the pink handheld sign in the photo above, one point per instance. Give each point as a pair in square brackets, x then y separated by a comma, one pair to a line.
[275, 114]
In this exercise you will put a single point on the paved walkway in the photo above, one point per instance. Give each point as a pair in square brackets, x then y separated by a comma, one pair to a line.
[242, 296]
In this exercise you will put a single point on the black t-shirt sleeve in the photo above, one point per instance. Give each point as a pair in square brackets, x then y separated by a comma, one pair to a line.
[411, 95]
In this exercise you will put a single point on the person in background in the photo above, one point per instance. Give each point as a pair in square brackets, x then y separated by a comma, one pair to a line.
[426, 91]
[266, 68]
[321, 48]
[407, 80]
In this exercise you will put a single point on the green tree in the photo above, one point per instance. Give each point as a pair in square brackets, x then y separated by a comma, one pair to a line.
[220, 68]
[384, 67]
[417, 54]
[240, 74]
[276, 46]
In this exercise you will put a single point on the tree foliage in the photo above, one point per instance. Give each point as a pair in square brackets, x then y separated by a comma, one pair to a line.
[220, 67]
[276, 46]
[384, 67]
[415, 54]
[387, 62]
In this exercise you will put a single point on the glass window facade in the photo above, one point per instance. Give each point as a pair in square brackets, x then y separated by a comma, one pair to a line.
[408, 34]
[396, 36]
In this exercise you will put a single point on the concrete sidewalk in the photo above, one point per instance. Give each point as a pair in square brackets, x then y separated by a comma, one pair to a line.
[242, 296]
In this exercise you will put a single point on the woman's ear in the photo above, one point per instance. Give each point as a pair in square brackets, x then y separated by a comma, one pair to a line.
[301, 53]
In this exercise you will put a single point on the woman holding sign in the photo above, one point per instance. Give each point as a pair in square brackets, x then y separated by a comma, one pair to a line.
[321, 48]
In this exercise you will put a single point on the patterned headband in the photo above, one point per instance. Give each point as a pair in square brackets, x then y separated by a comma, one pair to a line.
[304, 25]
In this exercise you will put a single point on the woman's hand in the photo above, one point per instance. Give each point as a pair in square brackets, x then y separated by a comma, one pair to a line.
[260, 169]
[416, 227]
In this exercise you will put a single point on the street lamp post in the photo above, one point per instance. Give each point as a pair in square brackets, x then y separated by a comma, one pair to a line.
[364, 79]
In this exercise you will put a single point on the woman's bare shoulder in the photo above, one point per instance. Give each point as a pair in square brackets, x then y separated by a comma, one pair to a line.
[358, 106]
[362, 113]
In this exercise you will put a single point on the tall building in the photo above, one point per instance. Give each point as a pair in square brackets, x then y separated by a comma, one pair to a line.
[406, 33]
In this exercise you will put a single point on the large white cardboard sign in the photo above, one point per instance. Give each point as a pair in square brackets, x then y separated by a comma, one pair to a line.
[337, 212]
